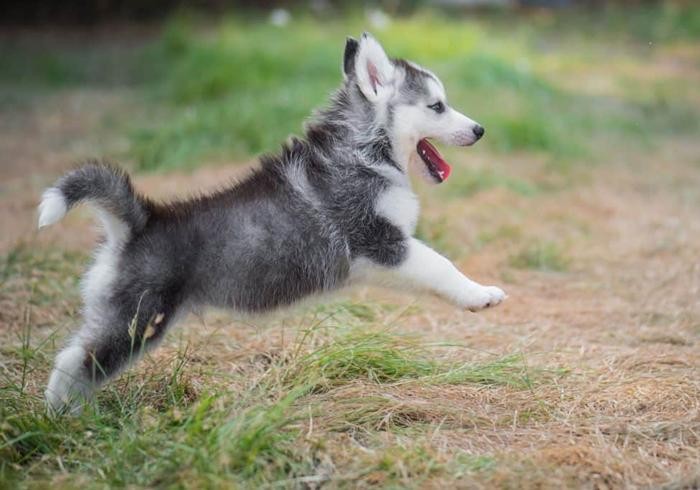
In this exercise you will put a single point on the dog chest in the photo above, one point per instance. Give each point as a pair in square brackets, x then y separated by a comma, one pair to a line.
[400, 206]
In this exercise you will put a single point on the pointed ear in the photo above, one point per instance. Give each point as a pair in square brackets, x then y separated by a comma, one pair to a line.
[351, 47]
[373, 68]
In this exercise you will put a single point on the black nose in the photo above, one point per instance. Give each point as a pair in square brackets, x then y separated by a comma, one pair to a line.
[478, 131]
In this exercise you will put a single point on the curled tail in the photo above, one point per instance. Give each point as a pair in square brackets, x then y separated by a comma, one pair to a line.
[121, 209]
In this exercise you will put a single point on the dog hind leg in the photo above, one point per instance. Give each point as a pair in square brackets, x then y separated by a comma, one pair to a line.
[107, 343]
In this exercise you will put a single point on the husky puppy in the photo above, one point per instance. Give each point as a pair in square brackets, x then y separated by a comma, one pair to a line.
[333, 208]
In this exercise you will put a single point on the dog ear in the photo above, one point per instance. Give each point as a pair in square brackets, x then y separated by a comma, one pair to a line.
[374, 69]
[351, 46]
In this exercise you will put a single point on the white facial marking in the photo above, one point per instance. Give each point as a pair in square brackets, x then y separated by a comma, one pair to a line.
[437, 91]
[416, 120]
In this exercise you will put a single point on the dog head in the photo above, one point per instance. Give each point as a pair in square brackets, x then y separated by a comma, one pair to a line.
[410, 104]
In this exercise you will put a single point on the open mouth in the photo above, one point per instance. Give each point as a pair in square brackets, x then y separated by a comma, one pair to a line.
[437, 167]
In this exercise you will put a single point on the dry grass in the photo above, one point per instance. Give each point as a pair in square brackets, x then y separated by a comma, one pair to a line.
[587, 377]
[604, 390]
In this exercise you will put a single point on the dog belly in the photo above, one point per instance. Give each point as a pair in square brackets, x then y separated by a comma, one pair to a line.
[260, 287]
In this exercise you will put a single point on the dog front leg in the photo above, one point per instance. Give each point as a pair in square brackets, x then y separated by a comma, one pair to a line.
[424, 268]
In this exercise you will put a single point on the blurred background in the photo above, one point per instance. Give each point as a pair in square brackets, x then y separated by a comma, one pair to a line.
[564, 88]
[581, 201]
[560, 85]
[173, 84]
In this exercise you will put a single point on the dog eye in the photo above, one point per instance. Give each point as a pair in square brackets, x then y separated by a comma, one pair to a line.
[438, 107]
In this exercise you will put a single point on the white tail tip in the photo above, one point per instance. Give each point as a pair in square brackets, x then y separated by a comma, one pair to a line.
[53, 207]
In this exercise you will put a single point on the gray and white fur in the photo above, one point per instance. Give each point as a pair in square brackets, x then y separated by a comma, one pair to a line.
[331, 209]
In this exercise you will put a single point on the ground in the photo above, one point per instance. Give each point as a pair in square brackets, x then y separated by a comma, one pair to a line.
[587, 376]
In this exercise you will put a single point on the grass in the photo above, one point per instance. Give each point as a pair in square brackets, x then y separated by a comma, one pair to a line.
[383, 357]
[171, 420]
[44, 275]
[468, 182]
[241, 86]
[164, 431]
[541, 256]
[219, 109]
[573, 382]
[654, 22]
[469, 463]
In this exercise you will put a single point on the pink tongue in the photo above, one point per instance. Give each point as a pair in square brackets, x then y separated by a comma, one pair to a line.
[430, 154]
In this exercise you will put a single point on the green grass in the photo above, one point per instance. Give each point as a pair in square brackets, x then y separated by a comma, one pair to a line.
[36, 65]
[654, 22]
[376, 357]
[542, 256]
[240, 93]
[385, 357]
[32, 279]
[239, 86]
[245, 86]
[465, 463]
[49, 270]
[235, 93]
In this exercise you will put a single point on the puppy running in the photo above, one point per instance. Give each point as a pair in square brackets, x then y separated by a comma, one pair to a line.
[333, 208]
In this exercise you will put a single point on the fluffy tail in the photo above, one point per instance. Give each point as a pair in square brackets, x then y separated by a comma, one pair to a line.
[121, 209]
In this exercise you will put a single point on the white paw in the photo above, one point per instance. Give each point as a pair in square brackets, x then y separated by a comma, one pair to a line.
[484, 297]
[68, 389]
[63, 396]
